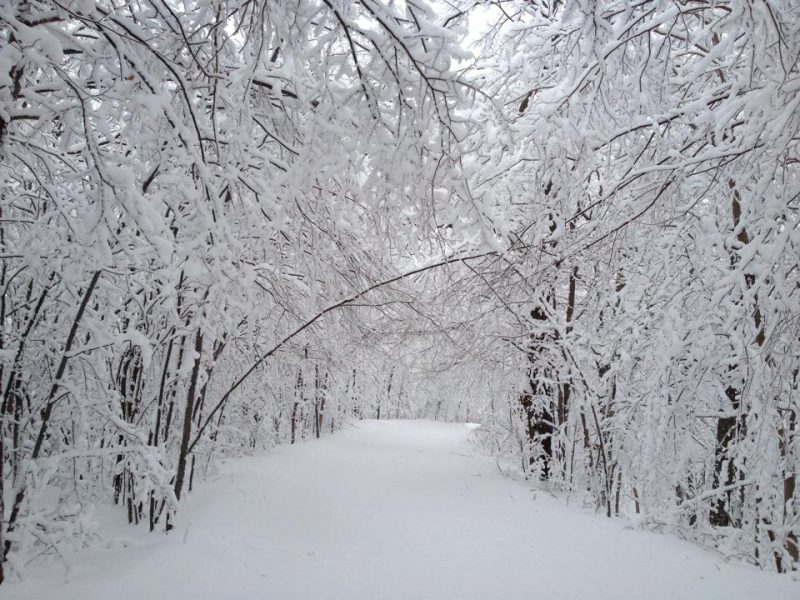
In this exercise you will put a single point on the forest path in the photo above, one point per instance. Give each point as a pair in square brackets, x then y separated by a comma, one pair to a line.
[392, 510]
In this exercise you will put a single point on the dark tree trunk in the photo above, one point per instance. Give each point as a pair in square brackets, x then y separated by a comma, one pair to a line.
[537, 403]
[186, 433]
[732, 428]
[729, 431]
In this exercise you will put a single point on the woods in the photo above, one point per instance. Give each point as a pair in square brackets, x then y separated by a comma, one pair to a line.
[227, 225]
[661, 143]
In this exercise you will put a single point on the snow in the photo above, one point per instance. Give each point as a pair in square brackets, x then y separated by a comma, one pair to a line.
[391, 510]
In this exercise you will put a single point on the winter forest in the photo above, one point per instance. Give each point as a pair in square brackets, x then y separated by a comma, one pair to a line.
[228, 226]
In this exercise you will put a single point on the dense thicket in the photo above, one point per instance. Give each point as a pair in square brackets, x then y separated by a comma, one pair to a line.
[227, 225]
[644, 174]
[186, 185]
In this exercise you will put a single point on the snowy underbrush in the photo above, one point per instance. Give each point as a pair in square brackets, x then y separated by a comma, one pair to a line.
[103, 499]
[639, 507]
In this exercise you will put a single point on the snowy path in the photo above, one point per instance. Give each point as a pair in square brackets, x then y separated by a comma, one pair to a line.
[392, 510]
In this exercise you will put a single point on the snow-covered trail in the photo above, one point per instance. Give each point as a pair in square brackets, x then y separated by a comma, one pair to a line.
[392, 510]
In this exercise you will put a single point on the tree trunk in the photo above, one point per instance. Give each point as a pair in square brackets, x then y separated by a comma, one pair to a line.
[186, 434]
[732, 428]
[539, 423]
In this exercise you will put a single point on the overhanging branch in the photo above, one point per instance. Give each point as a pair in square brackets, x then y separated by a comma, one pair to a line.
[341, 303]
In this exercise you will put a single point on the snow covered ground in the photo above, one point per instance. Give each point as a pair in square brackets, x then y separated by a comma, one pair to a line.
[391, 510]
